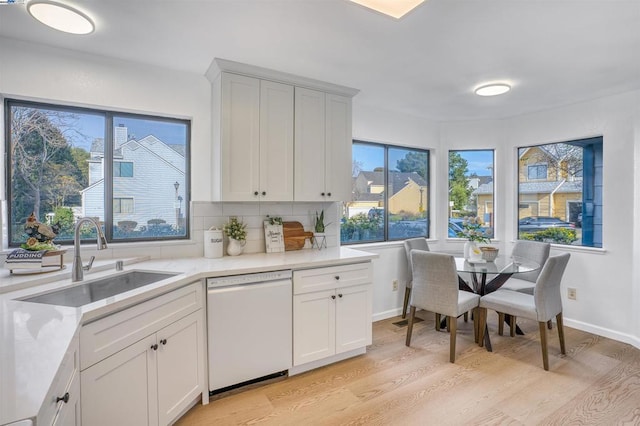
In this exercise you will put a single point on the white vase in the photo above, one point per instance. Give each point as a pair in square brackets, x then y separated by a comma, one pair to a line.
[472, 252]
[235, 247]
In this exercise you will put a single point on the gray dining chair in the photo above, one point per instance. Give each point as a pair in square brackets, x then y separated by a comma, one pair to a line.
[411, 244]
[435, 289]
[535, 251]
[544, 304]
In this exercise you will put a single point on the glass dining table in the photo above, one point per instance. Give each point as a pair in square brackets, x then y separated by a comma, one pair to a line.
[499, 270]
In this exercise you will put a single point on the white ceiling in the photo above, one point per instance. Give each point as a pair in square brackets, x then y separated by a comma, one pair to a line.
[553, 52]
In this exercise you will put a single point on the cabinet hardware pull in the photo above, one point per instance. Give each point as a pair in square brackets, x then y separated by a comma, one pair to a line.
[264, 192]
[163, 341]
[333, 296]
[322, 193]
[154, 347]
[337, 277]
[328, 194]
[255, 193]
[64, 398]
[340, 295]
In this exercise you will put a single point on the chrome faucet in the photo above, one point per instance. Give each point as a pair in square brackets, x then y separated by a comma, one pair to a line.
[78, 268]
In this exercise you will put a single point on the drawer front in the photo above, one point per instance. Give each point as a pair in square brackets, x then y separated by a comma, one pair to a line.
[318, 279]
[67, 374]
[104, 337]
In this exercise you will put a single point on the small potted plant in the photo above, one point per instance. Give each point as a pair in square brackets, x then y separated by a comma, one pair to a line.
[319, 228]
[237, 233]
[472, 231]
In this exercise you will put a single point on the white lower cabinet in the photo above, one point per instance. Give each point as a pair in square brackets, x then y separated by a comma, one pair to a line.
[149, 382]
[331, 311]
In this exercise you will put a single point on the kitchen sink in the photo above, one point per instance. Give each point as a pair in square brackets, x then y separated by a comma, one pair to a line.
[103, 288]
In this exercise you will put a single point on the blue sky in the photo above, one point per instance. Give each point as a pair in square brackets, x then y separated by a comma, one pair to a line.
[372, 156]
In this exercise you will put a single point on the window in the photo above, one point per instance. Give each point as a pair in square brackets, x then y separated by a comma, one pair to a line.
[471, 189]
[390, 194]
[123, 205]
[68, 162]
[122, 169]
[538, 171]
[565, 205]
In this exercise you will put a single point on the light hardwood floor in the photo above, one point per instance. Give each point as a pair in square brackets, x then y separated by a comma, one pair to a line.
[596, 383]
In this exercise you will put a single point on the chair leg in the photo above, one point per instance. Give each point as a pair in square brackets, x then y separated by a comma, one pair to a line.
[512, 326]
[407, 294]
[543, 343]
[474, 316]
[412, 315]
[482, 323]
[500, 323]
[560, 326]
[449, 324]
[453, 324]
[466, 317]
[550, 325]
[438, 319]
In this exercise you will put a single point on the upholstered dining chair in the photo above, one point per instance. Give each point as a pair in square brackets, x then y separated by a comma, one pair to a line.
[530, 250]
[544, 304]
[411, 244]
[435, 289]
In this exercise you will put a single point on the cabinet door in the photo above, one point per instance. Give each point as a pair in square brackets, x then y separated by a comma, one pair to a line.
[180, 361]
[240, 133]
[122, 389]
[353, 317]
[310, 145]
[314, 330]
[69, 412]
[338, 148]
[276, 141]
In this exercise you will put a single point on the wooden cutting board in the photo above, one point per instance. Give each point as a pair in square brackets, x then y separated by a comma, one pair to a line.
[294, 235]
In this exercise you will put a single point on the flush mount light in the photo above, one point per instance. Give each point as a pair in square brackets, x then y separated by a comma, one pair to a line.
[61, 17]
[394, 8]
[493, 89]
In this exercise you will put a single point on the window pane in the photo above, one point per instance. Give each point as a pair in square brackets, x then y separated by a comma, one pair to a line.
[157, 148]
[50, 167]
[563, 203]
[408, 193]
[471, 189]
[363, 218]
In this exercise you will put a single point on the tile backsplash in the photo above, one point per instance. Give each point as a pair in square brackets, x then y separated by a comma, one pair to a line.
[205, 215]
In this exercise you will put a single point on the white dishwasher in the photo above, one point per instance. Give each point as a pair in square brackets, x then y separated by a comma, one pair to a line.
[249, 328]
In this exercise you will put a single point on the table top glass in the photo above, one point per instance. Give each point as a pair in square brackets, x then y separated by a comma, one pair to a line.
[502, 265]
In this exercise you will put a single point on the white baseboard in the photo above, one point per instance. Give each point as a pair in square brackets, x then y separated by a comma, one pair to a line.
[604, 332]
[386, 314]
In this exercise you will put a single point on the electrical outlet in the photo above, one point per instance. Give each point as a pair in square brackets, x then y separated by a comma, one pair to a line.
[395, 285]
[571, 293]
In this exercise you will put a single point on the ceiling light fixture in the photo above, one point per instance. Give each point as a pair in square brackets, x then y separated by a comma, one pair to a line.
[61, 17]
[493, 89]
[394, 8]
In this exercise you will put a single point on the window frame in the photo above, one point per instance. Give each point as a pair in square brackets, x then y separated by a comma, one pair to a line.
[120, 163]
[537, 166]
[108, 165]
[386, 147]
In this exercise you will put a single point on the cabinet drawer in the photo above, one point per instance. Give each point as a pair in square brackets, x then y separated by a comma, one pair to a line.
[317, 279]
[67, 373]
[104, 337]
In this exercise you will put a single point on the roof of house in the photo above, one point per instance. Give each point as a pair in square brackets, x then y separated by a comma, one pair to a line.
[398, 179]
[538, 187]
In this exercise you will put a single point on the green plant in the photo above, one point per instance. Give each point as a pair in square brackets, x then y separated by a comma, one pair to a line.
[553, 235]
[472, 231]
[319, 225]
[235, 229]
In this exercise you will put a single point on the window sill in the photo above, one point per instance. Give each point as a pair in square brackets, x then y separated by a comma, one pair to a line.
[121, 245]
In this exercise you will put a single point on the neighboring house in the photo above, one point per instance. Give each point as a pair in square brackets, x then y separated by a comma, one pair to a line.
[145, 172]
[408, 193]
[550, 185]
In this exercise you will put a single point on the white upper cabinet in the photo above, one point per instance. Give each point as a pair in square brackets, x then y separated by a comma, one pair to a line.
[322, 146]
[268, 146]
[256, 140]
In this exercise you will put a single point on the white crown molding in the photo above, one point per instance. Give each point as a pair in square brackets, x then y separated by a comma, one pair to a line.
[219, 65]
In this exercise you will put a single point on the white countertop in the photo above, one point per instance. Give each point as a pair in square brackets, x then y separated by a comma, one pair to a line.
[35, 337]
